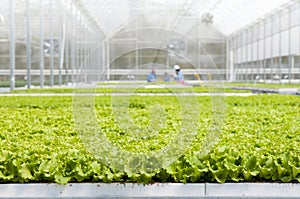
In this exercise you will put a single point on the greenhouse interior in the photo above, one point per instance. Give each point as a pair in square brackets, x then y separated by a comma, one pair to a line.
[149, 98]
[47, 43]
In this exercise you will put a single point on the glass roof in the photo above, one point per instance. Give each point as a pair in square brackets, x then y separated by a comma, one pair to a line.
[231, 15]
[228, 15]
[106, 17]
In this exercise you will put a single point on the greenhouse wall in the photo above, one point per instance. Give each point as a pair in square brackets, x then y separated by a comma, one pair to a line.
[138, 48]
[268, 50]
[45, 43]
[52, 42]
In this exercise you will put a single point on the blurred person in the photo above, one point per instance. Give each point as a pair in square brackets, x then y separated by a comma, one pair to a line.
[151, 76]
[178, 76]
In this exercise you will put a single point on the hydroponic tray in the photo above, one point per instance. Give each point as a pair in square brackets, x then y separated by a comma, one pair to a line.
[156, 190]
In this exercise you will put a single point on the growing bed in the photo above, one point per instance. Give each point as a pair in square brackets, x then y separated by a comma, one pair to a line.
[259, 141]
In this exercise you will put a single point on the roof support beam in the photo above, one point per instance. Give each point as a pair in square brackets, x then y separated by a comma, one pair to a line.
[80, 6]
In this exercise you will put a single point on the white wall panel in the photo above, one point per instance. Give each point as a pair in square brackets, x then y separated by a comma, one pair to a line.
[243, 54]
[254, 51]
[261, 49]
[284, 43]
[295, 40]
[248, 58]
[275, 46]
[268, 47]
[238, 55]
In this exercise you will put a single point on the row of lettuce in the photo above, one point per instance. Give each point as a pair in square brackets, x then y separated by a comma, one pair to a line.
[259, 141]
[108, 89]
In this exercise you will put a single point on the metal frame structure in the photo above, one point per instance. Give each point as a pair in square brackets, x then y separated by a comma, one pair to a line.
[275, 36]
[83, 38]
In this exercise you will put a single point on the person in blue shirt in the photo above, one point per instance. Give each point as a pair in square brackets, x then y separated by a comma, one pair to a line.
[151, 76]
[178, 74]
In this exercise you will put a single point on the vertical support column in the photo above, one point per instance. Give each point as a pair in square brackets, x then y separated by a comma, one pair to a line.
[238, 46]
[264, 53]
[61, 43]
[244, 65]
[290, 44]
[136, 53]
[251, 64]
[76, 40]
[198, 45]
[99, 64]
[81, 66]
[51, 45]
[200, 51]
[91, 55]
[66, 59]
[72, 45]
[81, 51]
[93, 61]
[242, 56]
[12, 44]
[85, 57]
[41, 44]
[28, 44]
[93, 51]
[228, 60]
[235, 54]
[247, 57]
[88, 56]
[103, 60]
[258, 50]
[271, 47]
[279, 47]
[232, 61]
[292, 62]
[96, 60]
[107, 61]
[66, 39]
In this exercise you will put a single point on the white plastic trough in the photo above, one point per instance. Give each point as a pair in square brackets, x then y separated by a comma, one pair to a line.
[157, 190]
